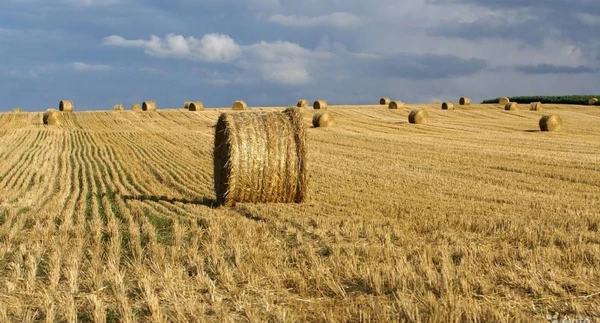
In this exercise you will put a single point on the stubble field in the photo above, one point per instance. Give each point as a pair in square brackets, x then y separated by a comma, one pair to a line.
[475, 216]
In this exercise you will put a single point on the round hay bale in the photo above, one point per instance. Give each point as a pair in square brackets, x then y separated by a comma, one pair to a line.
[593, 101]
[239, 105]
[53, 117]
[464, 101]
[320, 104]
[17, 109]
[196, 106]
[385, 101]
[302, 103]
[551, 123]
[118, 107]
[186, 105]
[504, 101]
[395, 104]
[66, 105]
[260, 157]
[511, 106]
[149, 105]
[323, 119]
[136, 107]
[536, 106]
[449, 105]
[418, 116]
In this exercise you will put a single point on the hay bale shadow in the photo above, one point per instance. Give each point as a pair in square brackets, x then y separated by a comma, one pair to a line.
[206, 201]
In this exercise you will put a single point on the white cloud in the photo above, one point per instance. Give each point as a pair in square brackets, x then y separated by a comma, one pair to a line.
[209, 48]
[588, 19]
[336, 19]
[84, 67]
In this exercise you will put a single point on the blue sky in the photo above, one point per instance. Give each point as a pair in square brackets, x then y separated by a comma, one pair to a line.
[272, 52]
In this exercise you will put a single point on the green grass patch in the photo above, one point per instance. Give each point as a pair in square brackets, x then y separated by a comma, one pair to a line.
[162, 225]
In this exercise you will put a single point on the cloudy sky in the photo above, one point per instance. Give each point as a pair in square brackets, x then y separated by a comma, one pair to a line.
[273, 52]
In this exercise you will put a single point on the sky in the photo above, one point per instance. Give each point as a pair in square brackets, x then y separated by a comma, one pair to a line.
[273, 52]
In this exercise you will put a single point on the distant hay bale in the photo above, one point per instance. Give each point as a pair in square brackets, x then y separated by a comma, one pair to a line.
[511, 106]
[504, 101]
[149, 105]
[66, 105]
[302, 103]
[323, 119]
[136, 107]
[464, 101]
[53, 117]
[418, 116]
[196, 106]
[551, 123]
[260, 158]
[320, 104]
[17, 109]
[239, 105]
[118, 107]
[186, 105]
[536, 106]
[593, 101]
[448, 105]
[385, 101]
[395, 104]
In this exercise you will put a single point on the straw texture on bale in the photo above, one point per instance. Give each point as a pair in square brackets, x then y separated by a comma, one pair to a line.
[302, 103]
[551, 123]
[186, 105]
[504, 101]
[17, 109]
[464, 101]
[118, 107]
[136, 107]
[239, 105]
[149, 105]
[511, 106]
[196, 106]
[385, 101]
[536, 106]
[448, 105]
[323, 119]
[593, 101]
[395, 104]
[320, 104]
[53, 117]
[66, 105]
[260, 158]
[418, 116]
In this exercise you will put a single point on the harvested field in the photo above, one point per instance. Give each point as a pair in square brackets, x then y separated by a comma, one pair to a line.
[476, 216]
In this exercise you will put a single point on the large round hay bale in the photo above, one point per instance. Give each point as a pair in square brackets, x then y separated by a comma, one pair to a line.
[385, 101]
[320, 104]
[260, 158]
[551, 123]
[323, 119]
[511, 106]
[593, 101]
[186, 105]
[536, 106]
[239, 105]
[136, 107]
[196, 106]
[53, 117]
[17, 109]
[118, 107]
[66, 105]
[395, 104]
[504, 101]
[464, 101]
[418, 116]
[448, 105]
[149, 105]
[302, 103]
